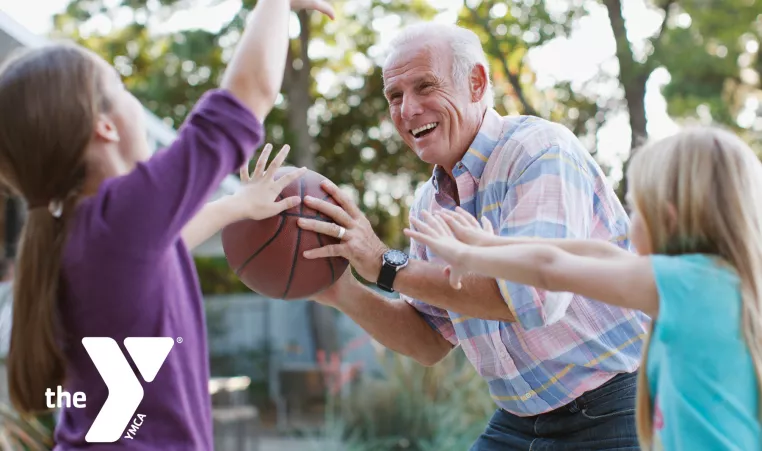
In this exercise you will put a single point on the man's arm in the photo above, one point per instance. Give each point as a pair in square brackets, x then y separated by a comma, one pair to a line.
[392, 322]
[479, 297]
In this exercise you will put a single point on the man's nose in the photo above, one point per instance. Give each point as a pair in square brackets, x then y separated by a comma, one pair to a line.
[411, 107]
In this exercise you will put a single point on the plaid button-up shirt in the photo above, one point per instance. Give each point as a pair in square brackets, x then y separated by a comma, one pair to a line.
[531, 177]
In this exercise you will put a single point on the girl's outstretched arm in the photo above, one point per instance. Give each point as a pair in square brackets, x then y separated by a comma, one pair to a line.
[625, 281]
[468, 230]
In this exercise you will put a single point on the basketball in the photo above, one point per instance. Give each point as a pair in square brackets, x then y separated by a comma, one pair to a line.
[267, 255]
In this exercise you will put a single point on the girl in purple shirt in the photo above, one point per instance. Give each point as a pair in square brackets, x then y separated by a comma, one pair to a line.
[105, 249]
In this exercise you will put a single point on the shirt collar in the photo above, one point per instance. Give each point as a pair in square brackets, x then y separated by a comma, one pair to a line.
[478, 153]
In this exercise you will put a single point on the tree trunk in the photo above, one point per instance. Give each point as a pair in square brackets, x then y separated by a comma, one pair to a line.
[297, 84]
[633, 77]
[299, 99]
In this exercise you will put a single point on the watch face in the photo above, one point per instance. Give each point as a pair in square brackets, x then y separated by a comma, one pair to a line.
[395, 258]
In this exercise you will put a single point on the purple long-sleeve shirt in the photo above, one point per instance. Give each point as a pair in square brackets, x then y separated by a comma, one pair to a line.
[127, 273]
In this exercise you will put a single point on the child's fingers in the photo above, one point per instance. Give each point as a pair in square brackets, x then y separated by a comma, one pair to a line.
[259, 169]
[487, 225]
[443, 226]
[459, 231]
[245, 173]
[289, 178]
[422, 227]
[431, 224]
[278, 161]
[287, 203]
[421, 238]
[466, 217]
[458, 218]
[455, 278]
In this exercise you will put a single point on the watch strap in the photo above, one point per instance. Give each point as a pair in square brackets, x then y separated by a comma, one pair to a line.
[386, 277]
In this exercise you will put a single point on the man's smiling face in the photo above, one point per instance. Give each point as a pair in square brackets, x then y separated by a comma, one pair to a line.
[428, 108]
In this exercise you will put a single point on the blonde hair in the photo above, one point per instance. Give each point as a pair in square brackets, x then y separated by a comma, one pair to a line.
[699, 192]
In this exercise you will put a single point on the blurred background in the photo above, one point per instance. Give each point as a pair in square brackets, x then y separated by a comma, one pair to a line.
[296, 375]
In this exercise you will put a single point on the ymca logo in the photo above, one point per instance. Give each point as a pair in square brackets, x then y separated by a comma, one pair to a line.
[125, 391]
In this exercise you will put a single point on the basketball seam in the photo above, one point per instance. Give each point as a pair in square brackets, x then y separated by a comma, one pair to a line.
[298, 241]
[258, 251]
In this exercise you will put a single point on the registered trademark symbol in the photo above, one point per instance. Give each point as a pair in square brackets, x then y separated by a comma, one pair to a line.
[179, 339]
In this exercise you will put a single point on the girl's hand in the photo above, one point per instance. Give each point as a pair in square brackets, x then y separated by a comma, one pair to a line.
[436, 234]
[318, 5]
[257, 196]
[467, 229]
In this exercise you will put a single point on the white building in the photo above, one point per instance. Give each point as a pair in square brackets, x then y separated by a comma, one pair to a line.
[14, 36]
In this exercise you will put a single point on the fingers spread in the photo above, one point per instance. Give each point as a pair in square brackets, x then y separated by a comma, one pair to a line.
[289, 178]
[278, 161]
[244, 173]
[422, 238]
[259, 169]
[288, 203]
[334, 212]
[332, 250]
[342, 199]
[423, 227]
[487, 225]
[322, 227]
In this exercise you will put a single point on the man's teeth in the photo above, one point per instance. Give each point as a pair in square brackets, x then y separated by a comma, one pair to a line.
[418, 130]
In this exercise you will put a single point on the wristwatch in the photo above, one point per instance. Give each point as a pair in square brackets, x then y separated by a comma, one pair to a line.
[392, 261]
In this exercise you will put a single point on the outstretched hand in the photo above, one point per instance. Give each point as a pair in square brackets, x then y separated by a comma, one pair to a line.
[257, 197]
[318, 5]
[435, 233]
[467, 229]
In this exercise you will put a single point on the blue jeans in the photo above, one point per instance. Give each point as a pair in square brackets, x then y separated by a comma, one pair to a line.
[601, 419]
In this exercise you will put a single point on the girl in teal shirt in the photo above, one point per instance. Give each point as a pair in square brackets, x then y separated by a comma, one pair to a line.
[696, 199]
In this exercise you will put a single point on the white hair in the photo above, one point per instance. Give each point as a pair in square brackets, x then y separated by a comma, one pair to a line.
[466, 48]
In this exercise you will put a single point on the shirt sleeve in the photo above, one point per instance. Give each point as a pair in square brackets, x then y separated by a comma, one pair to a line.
[145, 210]
[552, 197]
[437, 318]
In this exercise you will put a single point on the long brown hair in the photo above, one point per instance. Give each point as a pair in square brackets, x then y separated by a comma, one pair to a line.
[50, 100]
[700, 191]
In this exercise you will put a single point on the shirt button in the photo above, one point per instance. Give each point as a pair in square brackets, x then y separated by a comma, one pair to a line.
[527, 396]
[460, 165]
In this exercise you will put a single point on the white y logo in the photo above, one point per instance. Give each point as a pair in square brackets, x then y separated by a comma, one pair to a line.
[124, 389]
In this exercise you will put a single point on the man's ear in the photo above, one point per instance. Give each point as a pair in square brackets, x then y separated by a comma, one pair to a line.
[105, 129]
[477, 82]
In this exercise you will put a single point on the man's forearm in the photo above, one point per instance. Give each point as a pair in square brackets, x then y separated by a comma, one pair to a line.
[395, 324]
[479, 297]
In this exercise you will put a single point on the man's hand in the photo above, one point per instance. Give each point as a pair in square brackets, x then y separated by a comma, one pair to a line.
[317, 5]
[359, 245]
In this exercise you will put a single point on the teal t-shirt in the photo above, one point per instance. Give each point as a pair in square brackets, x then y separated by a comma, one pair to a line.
[704, 390]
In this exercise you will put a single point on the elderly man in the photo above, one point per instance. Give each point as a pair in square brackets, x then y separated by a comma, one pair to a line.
[561, 368]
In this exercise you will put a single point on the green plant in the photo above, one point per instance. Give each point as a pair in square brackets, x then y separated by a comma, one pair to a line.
[411, 408]
[17, 433]
[216, 277]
